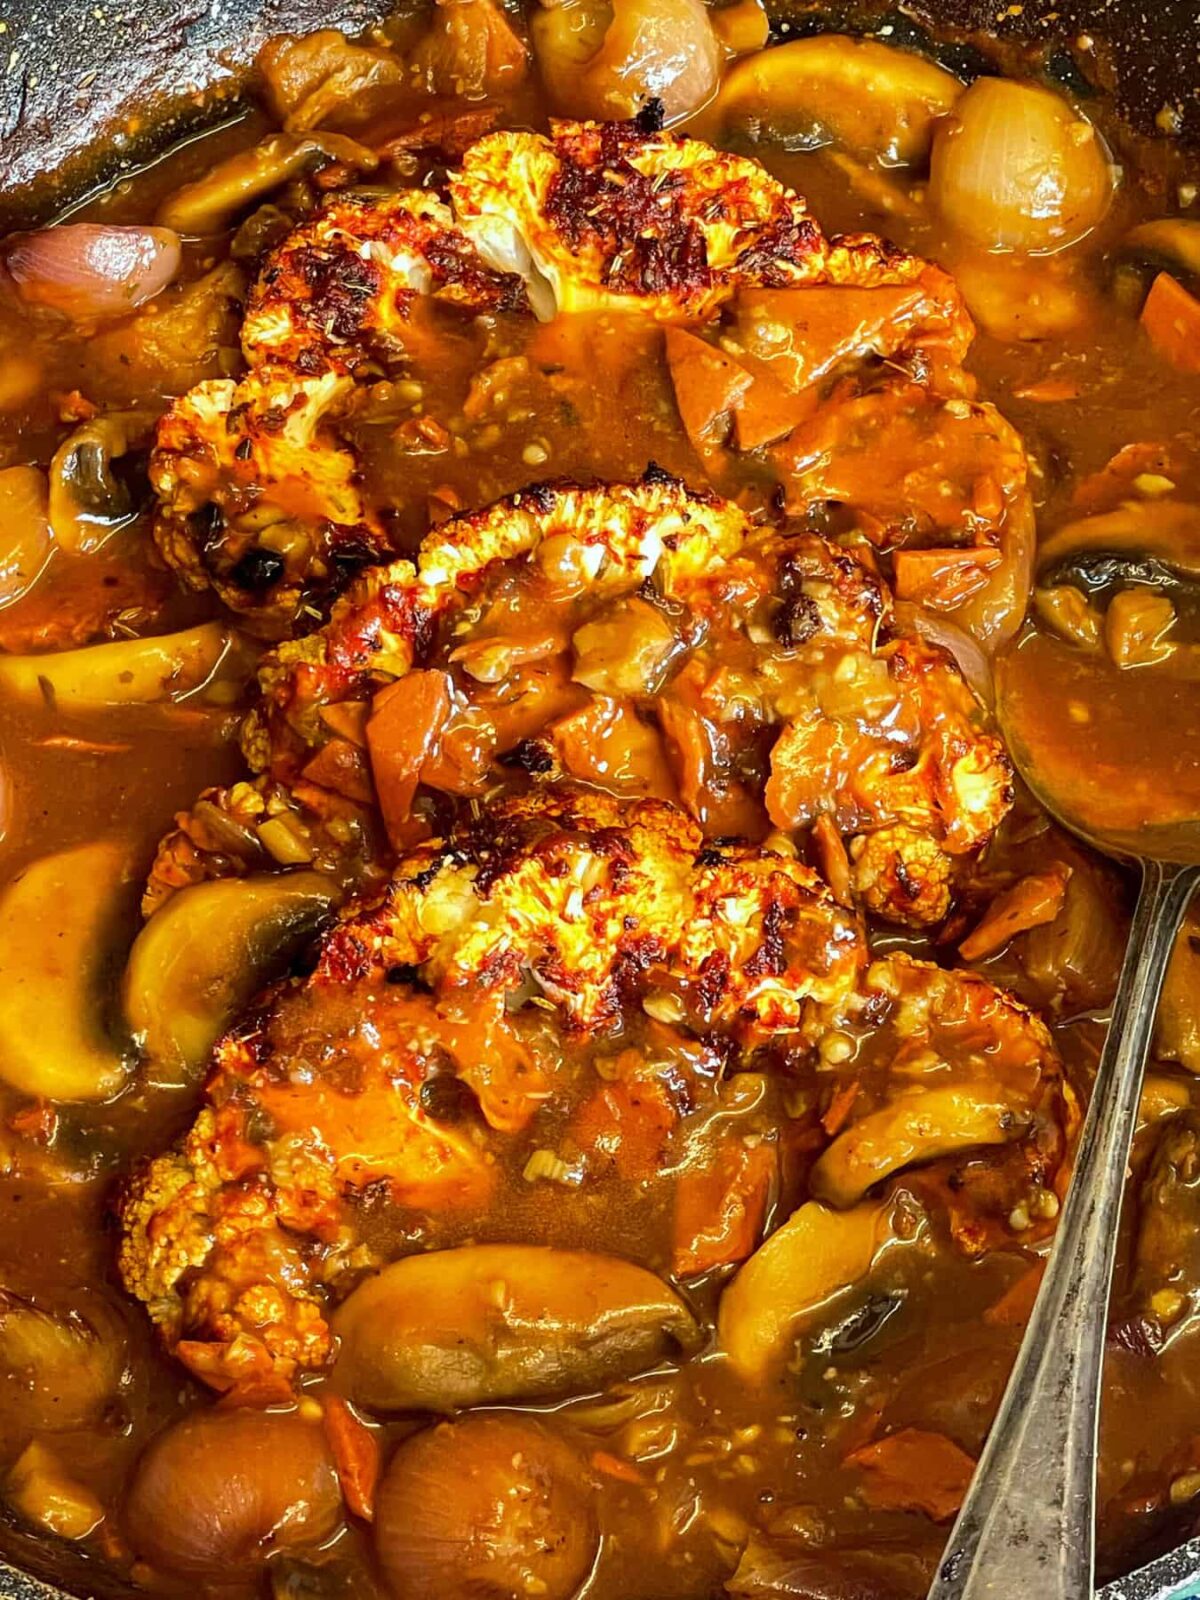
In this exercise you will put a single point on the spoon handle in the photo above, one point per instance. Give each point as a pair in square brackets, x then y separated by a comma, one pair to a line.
[1026, 1527]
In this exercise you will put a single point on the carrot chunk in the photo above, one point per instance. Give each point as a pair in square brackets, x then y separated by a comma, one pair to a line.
[914, 1471]
[613, 1467]
[402, 731]
[808, 331]
[1028, 904]
[626, 1125]
[355, 1456]
[1171, 318]
[341, 766]
[838, 1112]
[719, 1208]
[943, 577]
[768, 411]
[707, 385]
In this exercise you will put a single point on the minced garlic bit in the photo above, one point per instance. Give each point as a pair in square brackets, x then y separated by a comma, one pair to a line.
[547, 1164]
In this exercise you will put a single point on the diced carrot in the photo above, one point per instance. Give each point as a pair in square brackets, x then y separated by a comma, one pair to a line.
[690, 746]
[768, 411]
[838, 1112]
[914, 1471]
[1171, 318]
[707, 384]
[355, 1455]
[1028, 904]
[944, 577]
[506, 1077]
[73, 405]
[608, 744]
[348, 719]
[1015, 1305]
[37, 1122]
[341, 766]
[373, 1137]
[823, 326]
[613, 1467]
[628, 1124]
[406, 719]
[719, 1208]
[442, 503]
[1106, 489]
[1049, 391]
[83, 747]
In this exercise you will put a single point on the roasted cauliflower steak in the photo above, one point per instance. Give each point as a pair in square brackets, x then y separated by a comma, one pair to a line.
[547, 921]
[675, 634]
[608, 217]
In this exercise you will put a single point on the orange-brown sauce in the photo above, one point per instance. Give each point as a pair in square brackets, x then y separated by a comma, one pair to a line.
[592, 398]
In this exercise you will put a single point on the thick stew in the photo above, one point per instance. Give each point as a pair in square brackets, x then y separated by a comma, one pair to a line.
[541, 1035]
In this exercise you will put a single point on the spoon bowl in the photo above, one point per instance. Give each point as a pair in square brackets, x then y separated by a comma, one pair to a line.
[1027, 1525]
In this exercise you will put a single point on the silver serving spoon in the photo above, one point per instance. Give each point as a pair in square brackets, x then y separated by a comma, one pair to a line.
[1026, 1530]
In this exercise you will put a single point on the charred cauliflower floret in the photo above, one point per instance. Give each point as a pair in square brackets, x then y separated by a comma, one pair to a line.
[337, 292]
[571, 540]
[613, 216]
[647, 641]
[259, 495]
[556, 918]
[893, 744]
[244, 827]
[255, 490]
[596, 901]
[902, 875]
[622, 216]
[213, 1245]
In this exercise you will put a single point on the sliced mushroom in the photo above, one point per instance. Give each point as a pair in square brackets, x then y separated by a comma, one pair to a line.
[471, 49]
[41, 1491]
[1165, 1287]
[60, 1367]
[207, 952]
[792, 1278]
[502, 1322]
[1168, 244]
[320, 79]
[210, 204]
[869, 98]
[1155, 543]
[26, 543]
[57, 922]
[1139, 569]
[1177, 1037]
[88, 502]
[129, 672]
[919, 1125]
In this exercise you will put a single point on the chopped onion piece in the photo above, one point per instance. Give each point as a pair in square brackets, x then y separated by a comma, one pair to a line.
[968, 655]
